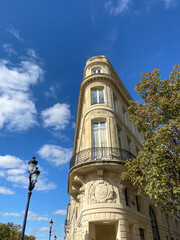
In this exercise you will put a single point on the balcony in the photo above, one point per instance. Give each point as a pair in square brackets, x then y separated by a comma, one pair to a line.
[99, 154]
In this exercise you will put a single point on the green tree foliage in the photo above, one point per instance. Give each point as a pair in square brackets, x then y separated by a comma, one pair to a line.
[9, 231]
[156, 170]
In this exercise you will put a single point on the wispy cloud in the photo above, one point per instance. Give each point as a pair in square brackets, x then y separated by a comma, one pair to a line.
[170, 3]
[118, 7]
[7, 214]
[51, 92]
[17, 109]
[15, 171]
[8, 48]
[54, 154]
[60, 212]
[36, 217]
[5, 191]
[57, 116]
[32, 53]
[42, 229]
[15, 33]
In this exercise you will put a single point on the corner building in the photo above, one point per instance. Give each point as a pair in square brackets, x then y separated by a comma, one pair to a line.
[102, 206]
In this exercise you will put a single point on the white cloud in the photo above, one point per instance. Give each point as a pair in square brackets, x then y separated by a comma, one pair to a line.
[17, 109]
[43, 229]
[120, 6]
[170, 3]
[7, 214]
[57, 117]
[9, 161]
[8, 48]
[60, 212]
[5, 191]
[54, 154]
[15, 33]
[2, 173]
[15, 171]
[43, 184]
[35, 217]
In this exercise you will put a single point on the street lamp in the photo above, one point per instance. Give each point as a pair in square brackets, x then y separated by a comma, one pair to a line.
[50, 230]
[55, 237]
[33, 176]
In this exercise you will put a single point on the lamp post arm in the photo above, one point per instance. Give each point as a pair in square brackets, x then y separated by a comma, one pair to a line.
[25, 215]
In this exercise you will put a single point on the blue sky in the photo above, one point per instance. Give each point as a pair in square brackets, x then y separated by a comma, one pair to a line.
[43, 49]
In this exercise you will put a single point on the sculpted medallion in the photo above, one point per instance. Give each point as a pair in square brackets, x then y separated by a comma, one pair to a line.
[101, 192]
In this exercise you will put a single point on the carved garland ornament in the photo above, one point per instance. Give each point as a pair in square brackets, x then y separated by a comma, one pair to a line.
[101, 192]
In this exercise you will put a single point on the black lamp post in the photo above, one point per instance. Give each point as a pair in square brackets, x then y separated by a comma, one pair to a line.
[55, 237]
[33, 176]
[50, 230]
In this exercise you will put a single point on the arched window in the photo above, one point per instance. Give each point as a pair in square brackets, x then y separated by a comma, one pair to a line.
[154, 224]
[96, 70]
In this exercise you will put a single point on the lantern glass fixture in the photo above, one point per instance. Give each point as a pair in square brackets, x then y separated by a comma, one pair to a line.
[35, 175]
[32, 165]
[51, 223]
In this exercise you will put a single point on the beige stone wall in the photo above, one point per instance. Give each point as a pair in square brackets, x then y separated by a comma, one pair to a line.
[98, 203]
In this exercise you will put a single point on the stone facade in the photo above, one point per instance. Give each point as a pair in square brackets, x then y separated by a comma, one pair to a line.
[102, 206]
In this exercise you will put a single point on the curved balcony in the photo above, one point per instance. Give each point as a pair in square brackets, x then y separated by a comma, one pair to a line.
[100, 154]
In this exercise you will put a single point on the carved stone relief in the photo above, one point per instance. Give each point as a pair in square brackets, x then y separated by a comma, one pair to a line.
[98, 112]
[102, 192]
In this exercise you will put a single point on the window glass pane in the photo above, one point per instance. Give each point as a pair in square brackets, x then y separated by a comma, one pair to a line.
[133, 128]
[95, 138]
[115, 103]
[103, 138]
[154, 224]
[119, 138]
[102, 124]
[93, 96]
[101, 96]
[95, 125]
[125, 116]
[141, 232]
[99, 134]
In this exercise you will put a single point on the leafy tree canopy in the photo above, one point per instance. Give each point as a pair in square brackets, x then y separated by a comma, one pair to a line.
[156, 170]
[9, 231]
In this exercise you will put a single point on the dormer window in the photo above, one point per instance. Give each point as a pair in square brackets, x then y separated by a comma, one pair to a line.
[97, 95]
[96, 70]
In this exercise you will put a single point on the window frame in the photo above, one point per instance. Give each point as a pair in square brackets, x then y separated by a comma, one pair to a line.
[97, 90]
[115, 103]
[96, 71]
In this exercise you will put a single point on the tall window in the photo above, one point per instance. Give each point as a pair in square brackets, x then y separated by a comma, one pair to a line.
[99, 134]
[96, 71]
[140, 137]
[126, 196]
[119, 138]
[141, 233]
[138, 204]
[133, 128]
[125, 116]
[115, 103]
[97, 95]
[129, 144]
[154, 224]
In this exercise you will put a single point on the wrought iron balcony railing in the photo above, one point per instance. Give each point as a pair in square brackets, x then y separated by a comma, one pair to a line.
[100, 154]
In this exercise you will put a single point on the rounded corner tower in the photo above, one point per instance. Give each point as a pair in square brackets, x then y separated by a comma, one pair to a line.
[102, 206]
